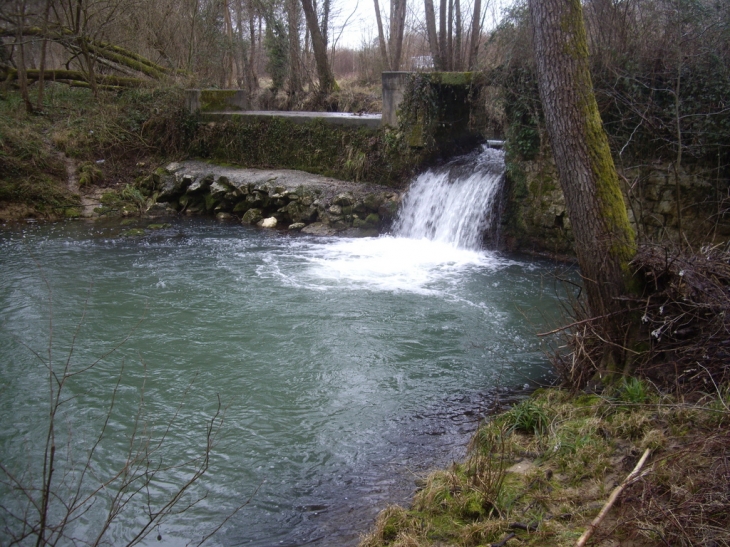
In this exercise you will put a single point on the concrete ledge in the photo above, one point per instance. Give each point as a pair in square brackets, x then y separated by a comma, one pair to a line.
[213, 100]
[368, 121]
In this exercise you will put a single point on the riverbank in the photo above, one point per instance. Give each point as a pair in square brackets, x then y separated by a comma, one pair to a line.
[58, 161]
[540, 474]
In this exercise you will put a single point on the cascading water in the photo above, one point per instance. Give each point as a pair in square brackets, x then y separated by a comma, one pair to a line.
[454, 204]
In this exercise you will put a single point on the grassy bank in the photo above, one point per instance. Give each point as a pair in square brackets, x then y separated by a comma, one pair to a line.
[78, 142]
[541, 472]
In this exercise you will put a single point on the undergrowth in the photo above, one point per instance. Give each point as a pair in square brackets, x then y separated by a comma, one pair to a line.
[677, 327]
[101, 138]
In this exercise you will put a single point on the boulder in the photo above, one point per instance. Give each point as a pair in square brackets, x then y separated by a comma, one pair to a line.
[252, 216]
[345, 199]
[267, 222]
[200, 184]
[319, 229]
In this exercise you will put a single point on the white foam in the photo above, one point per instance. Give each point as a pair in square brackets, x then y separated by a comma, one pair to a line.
[394, 264]
[437, 238]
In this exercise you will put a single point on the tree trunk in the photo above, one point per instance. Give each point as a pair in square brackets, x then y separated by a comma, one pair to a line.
[476, 34]
[191, 45]
[253, 79]
[44, 46]
[22, 79]
[450, 38]
[432, 38]
[442, 35]
[397, 28]
[458, 58]
[324, 74]
[604, 240]
[326, 5]
[381, 37]
[230, 50]
[295, 49]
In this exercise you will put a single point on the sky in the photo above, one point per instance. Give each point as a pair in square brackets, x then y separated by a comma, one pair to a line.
[360, 17]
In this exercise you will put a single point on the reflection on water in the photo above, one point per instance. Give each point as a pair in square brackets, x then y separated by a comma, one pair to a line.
[345, 366]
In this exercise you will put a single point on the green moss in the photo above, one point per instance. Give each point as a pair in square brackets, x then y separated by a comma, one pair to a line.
[217, 100]
[375, 155]
[134, 232]
[89, 174]
[452, 78]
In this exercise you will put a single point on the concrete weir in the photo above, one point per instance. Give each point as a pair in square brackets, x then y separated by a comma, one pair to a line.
[226, 104]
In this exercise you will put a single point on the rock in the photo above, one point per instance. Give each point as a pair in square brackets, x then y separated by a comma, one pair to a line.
[267, 222]
[359, 232]
[345, 199]
[200, 185]
[218, 190]
[297, 226]
[319, 229]
[160, 226]
[373, 201]
[372, 219]
[223, 216]
[252, 216]
[242, 207]
[388, 209]
[173, 185]
[291, 197]
[134, 232]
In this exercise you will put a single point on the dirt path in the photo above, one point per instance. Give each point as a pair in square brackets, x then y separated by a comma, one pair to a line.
[89, 199]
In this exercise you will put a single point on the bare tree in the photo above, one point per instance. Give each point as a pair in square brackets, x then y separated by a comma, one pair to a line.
[433, 41]
[476, 34]
[397, 29]
[47, 503]
[381, 37]
[319, 45]
[294, 87]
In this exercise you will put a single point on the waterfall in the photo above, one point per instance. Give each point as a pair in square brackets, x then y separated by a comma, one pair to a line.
[455, 203]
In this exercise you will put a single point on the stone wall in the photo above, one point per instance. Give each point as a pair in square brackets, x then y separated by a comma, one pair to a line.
[292, 200]
[690, 204]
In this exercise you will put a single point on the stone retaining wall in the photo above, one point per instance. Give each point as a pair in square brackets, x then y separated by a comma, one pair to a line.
[277, 198]
[689, 205]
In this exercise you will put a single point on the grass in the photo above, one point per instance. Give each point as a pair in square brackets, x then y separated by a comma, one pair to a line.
[543, 470]
[102, 138]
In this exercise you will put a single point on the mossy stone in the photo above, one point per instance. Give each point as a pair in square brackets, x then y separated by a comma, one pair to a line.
[134, 232]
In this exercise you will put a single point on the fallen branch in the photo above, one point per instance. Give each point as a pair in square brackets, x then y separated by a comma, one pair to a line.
[77, 76]
[566, 327]
[633, 476]
[532, 527]
[116, 54]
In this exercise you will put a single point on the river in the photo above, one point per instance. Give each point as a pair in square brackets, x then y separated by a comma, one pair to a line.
[345, 367]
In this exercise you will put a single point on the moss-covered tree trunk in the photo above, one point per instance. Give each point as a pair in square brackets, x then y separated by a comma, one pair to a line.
[319, 45]
[604, 239]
